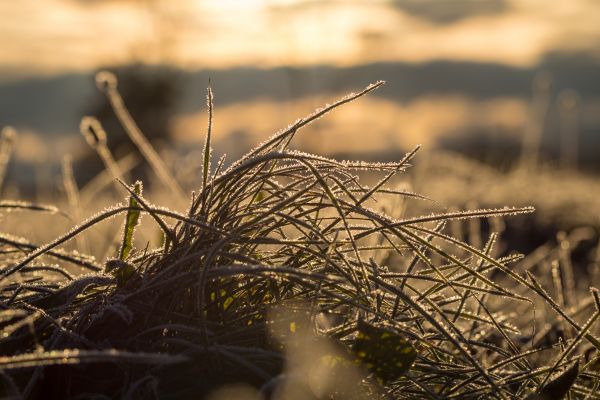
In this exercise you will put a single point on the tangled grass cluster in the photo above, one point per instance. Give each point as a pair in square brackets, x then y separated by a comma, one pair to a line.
[285, 275]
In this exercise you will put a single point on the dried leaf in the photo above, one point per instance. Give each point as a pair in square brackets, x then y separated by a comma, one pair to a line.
[383, 351]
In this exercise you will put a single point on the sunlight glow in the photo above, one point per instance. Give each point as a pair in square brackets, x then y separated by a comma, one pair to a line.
[60, 35]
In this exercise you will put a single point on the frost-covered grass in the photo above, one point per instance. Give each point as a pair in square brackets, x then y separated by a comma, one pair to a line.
[565, 199]
[284, 274]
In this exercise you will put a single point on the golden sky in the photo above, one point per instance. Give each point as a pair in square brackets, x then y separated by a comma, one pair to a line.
[54, 36]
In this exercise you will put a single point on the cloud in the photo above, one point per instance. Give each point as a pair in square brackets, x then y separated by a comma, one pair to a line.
[449, 11]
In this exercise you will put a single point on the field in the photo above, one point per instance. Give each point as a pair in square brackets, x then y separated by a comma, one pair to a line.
[288, 275]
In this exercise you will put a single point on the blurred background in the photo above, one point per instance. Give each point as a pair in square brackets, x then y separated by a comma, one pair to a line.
[504, 96]
[504, 82]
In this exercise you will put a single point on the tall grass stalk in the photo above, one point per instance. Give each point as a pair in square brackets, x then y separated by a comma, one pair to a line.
[95, 135]
[107, 83]
[96, 185]
[7, 141]
[73, 198]
[569, 109]
[542, 92]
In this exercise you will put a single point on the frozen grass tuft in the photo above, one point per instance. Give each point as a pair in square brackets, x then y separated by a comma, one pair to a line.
[283, 275]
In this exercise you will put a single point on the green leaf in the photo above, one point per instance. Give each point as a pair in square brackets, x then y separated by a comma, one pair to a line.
[288, 326]
[223, 301]
[131, 222]
[259, 196]
[558, 388]
[383, 351]
[207, 150]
